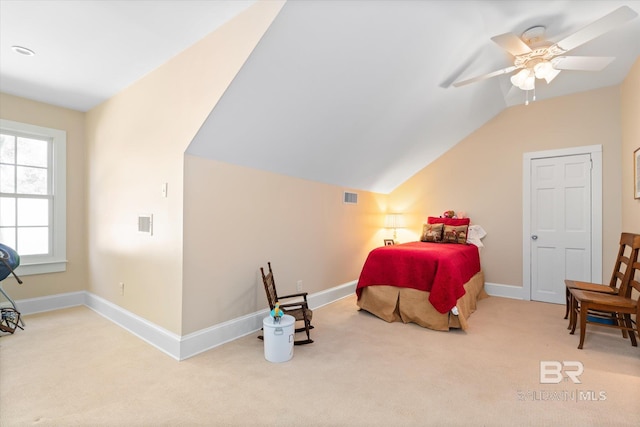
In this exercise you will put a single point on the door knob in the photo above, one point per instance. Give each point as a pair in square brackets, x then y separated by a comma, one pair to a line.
[534, 237]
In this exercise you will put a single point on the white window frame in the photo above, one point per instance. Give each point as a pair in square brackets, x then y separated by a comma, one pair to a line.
[57, 260]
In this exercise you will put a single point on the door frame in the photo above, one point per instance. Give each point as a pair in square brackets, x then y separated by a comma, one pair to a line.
[596, 210]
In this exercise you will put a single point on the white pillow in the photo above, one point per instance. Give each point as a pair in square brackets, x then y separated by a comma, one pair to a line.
[475, 234]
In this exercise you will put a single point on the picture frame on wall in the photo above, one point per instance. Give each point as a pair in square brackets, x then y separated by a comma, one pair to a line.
[636, 173]
[388, 242]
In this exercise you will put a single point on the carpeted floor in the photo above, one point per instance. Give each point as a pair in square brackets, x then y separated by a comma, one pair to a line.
[73, 367]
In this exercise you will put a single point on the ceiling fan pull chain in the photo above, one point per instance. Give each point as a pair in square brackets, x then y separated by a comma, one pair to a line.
[533, 99]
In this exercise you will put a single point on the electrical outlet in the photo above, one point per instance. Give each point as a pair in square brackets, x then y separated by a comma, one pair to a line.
[121, 284]
[299, 286]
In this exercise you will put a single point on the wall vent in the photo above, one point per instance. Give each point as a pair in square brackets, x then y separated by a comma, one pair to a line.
[350, 198]
[145, 224]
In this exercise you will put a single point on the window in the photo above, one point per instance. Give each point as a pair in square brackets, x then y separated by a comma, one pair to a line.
[33, 195]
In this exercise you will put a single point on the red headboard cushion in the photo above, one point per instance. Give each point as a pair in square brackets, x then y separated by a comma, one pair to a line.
[448, 221]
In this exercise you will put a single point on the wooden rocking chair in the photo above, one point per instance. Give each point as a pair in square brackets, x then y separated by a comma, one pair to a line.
[299, 309]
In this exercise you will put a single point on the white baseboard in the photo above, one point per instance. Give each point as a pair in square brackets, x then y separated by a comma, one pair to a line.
[334, 294]
[505, 291]
[206, 339]
[162, 339]
[53, 302]
[176, 346]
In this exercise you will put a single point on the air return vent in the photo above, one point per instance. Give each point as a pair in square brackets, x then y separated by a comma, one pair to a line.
[145, 224]
[350, 198]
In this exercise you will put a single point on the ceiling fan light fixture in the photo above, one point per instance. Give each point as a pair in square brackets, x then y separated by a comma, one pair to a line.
[543, 69]
[537, 58]
[529, 82]
[519, 78]
[525, 79]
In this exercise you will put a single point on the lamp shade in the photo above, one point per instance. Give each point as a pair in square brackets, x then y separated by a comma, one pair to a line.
[394, 220]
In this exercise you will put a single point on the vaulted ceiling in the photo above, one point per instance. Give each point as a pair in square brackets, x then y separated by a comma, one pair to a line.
[352, 93]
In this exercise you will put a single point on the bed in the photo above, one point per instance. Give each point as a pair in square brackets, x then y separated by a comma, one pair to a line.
[431, 283]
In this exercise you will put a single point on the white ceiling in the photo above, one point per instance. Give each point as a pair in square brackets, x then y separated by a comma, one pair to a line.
[352, 93]
[87, 51]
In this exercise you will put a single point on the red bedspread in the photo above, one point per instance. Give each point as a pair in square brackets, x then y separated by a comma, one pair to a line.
[439, 268]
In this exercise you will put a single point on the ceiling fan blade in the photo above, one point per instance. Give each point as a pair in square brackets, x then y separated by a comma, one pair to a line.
[597, 28]
[484, 76]
[511, 43]
[552, 75]
[581, 63]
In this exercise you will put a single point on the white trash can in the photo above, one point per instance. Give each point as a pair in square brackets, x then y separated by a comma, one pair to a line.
[278, 338]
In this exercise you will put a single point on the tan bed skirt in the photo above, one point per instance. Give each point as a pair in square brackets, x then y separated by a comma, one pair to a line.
[406, 305]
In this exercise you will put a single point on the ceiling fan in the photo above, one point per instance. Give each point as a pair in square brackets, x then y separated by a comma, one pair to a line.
[539, 60]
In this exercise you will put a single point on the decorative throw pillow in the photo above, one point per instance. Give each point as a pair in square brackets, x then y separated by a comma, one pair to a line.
[455, 234]
[432, 232]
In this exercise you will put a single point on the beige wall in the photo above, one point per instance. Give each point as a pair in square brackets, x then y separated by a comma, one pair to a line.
[135, 144]
[72, 122]
[630, 142]
[482, 175]
[237, 219]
